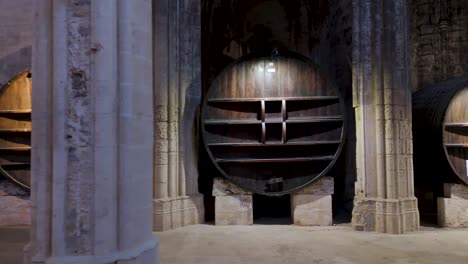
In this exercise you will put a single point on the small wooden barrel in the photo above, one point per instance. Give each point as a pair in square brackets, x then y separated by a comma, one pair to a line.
[440, 132]
[273, 124]
[15, 130]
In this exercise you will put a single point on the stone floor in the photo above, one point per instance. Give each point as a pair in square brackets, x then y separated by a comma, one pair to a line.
[12, 242]
[207, 244]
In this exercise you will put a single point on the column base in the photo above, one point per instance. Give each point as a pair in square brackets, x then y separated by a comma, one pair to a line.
[146, 253]
[178, 212]
[385, 215]
[312, 206]
[452, 210]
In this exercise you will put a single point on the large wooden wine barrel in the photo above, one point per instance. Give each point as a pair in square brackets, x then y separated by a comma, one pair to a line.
[15, 130]
[273, 124]
[440, 133]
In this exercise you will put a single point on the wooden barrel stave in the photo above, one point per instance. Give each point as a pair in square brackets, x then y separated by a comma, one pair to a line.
[15, 130]
[440, 138]
[456, 134]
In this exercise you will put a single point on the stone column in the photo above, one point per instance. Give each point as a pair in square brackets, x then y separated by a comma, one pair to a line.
[384, 200]
[177, 51]
[92, 140]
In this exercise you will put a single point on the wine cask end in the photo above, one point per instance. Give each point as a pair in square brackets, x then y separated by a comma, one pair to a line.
[440, 133]
[15, 130]
[273, 124]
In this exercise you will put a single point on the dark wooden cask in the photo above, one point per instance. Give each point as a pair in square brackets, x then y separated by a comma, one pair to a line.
[440, 133]
[273, 124]
[15, 130]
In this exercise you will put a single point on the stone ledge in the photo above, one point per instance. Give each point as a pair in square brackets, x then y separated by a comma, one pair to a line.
[223, 187]
[322, 186]
[178, 212]
[456, 191]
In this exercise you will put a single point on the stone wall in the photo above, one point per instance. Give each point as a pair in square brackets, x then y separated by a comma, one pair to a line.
[439, 40]
[15, 56]
[15, 37]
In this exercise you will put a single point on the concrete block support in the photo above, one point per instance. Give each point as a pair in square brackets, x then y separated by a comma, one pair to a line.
[452, 209]
[234, 210]
[384, 200]
[311, 210]
[233, 206]
[92, 139]
[312, 206]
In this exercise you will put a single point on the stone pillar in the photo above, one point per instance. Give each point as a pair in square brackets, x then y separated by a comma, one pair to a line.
[92, 140]
[384, 200]
[233, 206]
[177, 71]
[312, 206]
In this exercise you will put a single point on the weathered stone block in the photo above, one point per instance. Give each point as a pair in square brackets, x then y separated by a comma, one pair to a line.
[322, 186]
[313, 204]
[222, 187]
[311, 210]
[452, 212]
[456, 191]
[233, 210]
